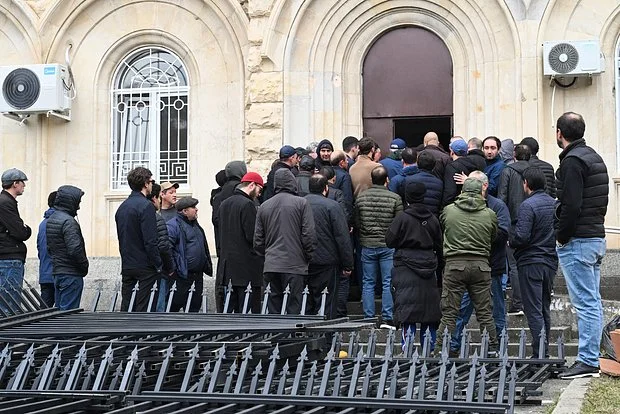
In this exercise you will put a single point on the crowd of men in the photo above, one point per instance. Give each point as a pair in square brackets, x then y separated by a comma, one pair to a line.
[433, 232]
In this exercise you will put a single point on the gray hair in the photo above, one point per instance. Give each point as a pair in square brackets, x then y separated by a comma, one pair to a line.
[480, 176]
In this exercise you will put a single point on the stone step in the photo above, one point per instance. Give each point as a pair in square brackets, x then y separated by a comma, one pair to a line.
[570, 349]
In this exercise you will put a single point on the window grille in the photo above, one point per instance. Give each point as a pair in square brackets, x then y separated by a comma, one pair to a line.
[149, 111]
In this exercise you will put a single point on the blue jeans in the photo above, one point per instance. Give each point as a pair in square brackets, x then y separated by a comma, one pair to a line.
[580, 260]
[68, 291]
[467, 308]
[371, 256]
[162, 297]
[11, 279]
[432, 328]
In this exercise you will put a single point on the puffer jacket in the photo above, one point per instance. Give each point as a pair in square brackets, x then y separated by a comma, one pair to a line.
[434, 190]
[285, 231]
[65, 243]
[533, 237]
[164, 245]
[375, 210]
[393, 164]
[416, 236]
[511, 187]
[493, 171]
[13, 231]
[469, 227]
[45, 261]
[190, 249]
[396, 183]
[547, 169]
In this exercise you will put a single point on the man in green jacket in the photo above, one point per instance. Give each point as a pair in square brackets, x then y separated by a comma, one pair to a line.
[469, 230]
[375, 210]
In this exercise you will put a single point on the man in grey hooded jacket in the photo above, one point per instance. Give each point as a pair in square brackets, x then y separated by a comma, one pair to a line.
[286, 235]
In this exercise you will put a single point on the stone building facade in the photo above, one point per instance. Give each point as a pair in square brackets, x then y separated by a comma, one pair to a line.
[251, 75]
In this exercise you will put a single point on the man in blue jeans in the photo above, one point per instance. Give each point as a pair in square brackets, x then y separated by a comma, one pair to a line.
[375, 209]
[13, 234]
[582, 189]
[497, 260]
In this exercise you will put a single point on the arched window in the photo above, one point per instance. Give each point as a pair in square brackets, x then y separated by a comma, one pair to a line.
[149, 116]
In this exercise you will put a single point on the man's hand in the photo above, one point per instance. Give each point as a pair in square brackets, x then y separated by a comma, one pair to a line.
[459, 178]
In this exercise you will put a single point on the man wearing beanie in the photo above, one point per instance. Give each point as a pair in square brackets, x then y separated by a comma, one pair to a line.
[469, 230]
[234, 170]
[288, 159]
[393, 162]
[191, 255]
[323, 153]
[239, 263]
[416, 236]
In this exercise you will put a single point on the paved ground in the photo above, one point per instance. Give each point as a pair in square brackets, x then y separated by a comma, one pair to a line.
[551, 392]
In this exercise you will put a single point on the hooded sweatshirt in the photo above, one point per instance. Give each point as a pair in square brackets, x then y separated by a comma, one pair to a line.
[285, 232]
[507, 151]
[235, 170]
[65, 243]
[318, 161]
[469, 226]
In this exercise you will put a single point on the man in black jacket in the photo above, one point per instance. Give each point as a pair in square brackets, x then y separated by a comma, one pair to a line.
[136, 227]
[463, 162]
[583, 191]
[286, 236]
[239, 263]
[66, 247]
[323, 153]
[288, 159]
[333, 257]
[13, 232]
[546, 168]
[534, 243]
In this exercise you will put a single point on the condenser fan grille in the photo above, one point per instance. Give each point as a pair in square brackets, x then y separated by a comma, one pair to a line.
[21, 88]
[563, 58]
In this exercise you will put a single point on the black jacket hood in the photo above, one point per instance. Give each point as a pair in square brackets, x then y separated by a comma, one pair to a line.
[284, 180]
[235, 169]
[68, 199]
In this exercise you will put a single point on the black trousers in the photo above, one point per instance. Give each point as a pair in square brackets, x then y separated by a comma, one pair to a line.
[180, 297]
[278, 283]
[237, 299]
[536, 284]
[48, 294]
[147, 279]
[320, 278]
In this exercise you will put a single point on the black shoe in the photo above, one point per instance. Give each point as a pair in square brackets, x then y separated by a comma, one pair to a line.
[580, 370]
[387, 324]
[515, 311]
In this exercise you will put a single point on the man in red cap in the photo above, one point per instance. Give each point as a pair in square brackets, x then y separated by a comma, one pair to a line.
[238, 262]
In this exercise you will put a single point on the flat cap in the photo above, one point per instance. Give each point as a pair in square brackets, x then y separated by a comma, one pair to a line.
[186, 202]
[12, 175]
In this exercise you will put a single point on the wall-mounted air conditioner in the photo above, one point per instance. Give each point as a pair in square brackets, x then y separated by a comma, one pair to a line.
[572, 58]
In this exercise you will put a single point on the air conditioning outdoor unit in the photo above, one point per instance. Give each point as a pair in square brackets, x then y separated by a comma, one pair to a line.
[572, 58]
[29, 89]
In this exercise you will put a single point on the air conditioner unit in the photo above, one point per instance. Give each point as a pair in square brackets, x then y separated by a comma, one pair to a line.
[572, 58]
[28, 89]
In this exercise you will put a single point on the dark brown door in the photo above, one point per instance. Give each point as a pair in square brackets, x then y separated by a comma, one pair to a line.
[407, 87]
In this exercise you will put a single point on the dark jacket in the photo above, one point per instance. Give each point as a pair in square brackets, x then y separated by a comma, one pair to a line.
[511, 187]
[65, 243]
[318, 161]
[442, 158]
[498, 248]
[416, 236]
[547, 169]
[493, 170]
[164, 245]
[469, 227]
[583, 193]
[269, 190]
[393, 164]
[337, 196]
[465, 164]
[396, 182]
[238, 261]
[13, 231]
[190, 250]
[532, 237]
[375, 210]
[234, 170]
[332, 233]
[168, 213]
[303, 183]
[285, 231]
[45, 261]
[136, 227]
[434, 190]
[343, 183]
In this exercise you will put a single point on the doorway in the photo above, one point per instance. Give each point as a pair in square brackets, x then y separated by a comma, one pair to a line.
[407, 87]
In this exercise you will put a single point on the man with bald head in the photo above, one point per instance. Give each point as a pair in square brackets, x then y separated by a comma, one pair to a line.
[431, 144]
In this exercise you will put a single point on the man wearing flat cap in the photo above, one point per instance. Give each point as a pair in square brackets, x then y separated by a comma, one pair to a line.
[469, 230]
[13, 231]
[191, 255]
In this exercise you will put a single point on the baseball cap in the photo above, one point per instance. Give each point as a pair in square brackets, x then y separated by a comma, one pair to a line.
[459, 147]
[398, 143]
[253, 177]
[12, 175]
[186, 202]
[168, 185]
[287, 151]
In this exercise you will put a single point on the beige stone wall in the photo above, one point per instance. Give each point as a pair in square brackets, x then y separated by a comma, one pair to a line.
[268, 72]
